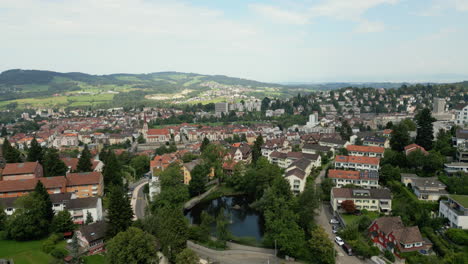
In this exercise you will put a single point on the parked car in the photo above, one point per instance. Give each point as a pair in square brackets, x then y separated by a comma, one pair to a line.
[339, 241]
[334, 221]
[335, 229]
[347, 249]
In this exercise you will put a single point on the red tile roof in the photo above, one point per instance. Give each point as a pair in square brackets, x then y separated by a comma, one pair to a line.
[161, 131]
[20, 168]
[365, 148]
[355, 159]
[84, 178]
[30, 184]
[343, 174]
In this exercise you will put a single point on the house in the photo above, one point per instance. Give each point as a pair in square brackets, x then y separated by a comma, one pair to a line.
[455, 209]
[79, 209]
[187, 170]
[91, 237]
[228, 167]
[366, 151]
[157, 135]
[333, 143]
[21, 171]
[241, 153]
[460, 141]
[315, 149]
[376, 141]
[297, 179]
[379, 200]
[461, 114]
[364, 179]
[161, 162]
[72, 163]
[389, 233]
[16, 188]
[357, 162]
[58, 202]
[454, 167]
[428, 189]
[414, 147]
[85, 184]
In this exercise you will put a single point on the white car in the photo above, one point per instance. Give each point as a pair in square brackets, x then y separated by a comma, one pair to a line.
[339, 241]
[334, 221]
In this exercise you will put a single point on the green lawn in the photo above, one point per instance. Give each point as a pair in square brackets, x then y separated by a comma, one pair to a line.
[95, 259]
[25, 252]
[350, 218]
[462, 199]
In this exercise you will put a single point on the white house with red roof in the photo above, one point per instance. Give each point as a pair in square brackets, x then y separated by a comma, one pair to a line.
[357, 163]
[366, 151]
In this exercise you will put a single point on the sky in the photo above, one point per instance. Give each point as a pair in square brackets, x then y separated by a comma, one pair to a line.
[271, 41]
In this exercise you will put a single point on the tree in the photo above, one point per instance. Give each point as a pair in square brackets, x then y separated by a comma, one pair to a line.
[89, 218]
[172, 231]
[35, 152]
[3, 218]
[132, 246]
[84, 163]
[321, 248]
[141, 164]
[28, 221]
[62, 222]
[119, 212]
[4, 132]
[199, 179]
[400, 137]
[425, 130]
[205, 225]
[53, 165]
[307, 202]
[348, 206]
[11, 154]
[46, 208]
[243, 138]
[187, 256]
[222, 231]
[75, 249]
[346, 131]
[257, 149]
[141, 139]
[112, 171]
[204, 144]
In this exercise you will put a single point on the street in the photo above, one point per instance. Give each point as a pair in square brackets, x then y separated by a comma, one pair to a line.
[138, 201]
[323, 219]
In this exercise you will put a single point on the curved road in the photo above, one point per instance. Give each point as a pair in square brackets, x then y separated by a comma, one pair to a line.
[139, 201]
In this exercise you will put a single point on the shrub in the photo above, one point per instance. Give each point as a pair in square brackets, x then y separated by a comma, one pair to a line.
[458, 236]
[58, 253]
[3, 235]
[48, 246]
[389, 255]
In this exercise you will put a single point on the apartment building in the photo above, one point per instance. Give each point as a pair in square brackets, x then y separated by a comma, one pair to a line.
[21, 171]
[455, 209]
[364, 179]
[357, 163]
[379, 200]
[365, 151]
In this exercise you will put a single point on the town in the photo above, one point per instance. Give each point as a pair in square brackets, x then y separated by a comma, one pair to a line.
[352, 175]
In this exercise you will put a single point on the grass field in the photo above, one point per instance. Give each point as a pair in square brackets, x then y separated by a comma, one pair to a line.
[350, 218]
[95, 259]
[53, 101]
[25, 252]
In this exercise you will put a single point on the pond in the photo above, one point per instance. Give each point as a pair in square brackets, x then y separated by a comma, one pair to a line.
[243, 220]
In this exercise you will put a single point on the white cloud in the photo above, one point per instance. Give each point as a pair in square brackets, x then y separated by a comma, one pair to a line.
[369, 27]
[461, 5]
[279, 15]
[346, 9]
[439, 7]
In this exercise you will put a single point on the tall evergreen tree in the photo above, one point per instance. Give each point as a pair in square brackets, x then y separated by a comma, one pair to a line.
[4, 132]
[42, 193]
[199, 179]
[35, 152]
[345, 131]
[119, 212]
[53, 165]
[400, 137]
[10, 153]
[112, 171]
[204, 144]
[257, 149]
[425, 130]
[89, 218]
[84, 163]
